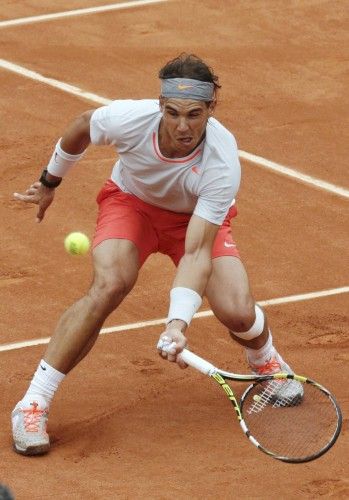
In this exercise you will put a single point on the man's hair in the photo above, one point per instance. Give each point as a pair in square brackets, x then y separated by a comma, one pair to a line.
[189, 66]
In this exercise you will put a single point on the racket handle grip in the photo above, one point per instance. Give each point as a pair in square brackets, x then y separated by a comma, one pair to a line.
[196, 362]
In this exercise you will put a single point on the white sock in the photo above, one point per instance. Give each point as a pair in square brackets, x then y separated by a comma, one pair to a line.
[45, 382]
[260, 356]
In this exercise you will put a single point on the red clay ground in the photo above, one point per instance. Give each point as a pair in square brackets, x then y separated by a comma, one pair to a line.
[126, 424]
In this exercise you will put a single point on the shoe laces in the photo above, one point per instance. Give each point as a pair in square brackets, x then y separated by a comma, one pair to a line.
[32, 417]
[271, 366]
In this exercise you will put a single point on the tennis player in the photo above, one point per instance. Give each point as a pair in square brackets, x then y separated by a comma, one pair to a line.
[172, 190]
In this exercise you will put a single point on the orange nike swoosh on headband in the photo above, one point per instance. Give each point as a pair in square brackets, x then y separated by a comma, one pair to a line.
[180, 86]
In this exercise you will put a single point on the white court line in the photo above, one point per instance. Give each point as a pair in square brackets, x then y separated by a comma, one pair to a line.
[77, 12]
[308, 179]
[52, 82]
[203, 314]
[71, 89]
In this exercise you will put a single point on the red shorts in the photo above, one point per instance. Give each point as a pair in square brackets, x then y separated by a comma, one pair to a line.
[151, 229]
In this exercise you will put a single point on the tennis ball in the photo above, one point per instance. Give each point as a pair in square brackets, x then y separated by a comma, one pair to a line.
[77, 243]
[256, 398]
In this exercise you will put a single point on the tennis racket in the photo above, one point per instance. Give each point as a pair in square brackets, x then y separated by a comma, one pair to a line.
[289, 417]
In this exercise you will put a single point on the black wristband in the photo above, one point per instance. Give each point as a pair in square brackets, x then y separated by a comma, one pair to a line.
[46, 183]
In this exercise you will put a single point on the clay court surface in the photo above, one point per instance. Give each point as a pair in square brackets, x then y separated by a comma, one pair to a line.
[125, 424]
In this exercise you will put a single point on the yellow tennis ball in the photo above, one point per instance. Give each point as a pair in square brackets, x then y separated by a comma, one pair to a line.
[77, 243]
[257, 398]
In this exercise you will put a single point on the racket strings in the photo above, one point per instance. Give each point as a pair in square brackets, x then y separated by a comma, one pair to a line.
[279, 393]
[290, 419]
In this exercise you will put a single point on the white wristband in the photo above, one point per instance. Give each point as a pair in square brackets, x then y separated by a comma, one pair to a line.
[61, 161]
[184, 304]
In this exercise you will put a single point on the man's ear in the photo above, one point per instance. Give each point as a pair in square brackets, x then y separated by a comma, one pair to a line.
[212, 106]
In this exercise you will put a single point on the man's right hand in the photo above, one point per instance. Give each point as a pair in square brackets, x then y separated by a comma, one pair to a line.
[172, 342]
[39, 195]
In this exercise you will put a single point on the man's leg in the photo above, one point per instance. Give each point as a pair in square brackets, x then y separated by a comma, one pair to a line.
[116, 265]
[230, 298]
[116, 268]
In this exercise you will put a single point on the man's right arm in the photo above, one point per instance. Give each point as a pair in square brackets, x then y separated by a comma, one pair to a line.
[67, 152]
[77, 136]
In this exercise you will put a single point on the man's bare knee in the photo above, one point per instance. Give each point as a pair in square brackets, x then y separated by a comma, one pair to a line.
[239, 317]
[108, 293]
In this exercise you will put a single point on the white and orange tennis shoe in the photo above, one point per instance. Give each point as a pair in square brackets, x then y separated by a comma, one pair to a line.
[285, 392]
[29, 420]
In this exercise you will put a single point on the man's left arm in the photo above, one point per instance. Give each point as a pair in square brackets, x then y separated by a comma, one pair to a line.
[189, 285]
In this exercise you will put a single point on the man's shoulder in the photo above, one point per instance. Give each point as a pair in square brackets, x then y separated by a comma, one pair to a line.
[215, 130]
[221, 141]
[134, 106]
[120, 122]
[126, 110]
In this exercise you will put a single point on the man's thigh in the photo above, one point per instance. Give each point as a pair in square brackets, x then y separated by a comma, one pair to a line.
[228, 289]
[116, 261]
[173, 228]
[121, 217]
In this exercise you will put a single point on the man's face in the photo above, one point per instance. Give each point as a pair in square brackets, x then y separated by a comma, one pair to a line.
[183, 124]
